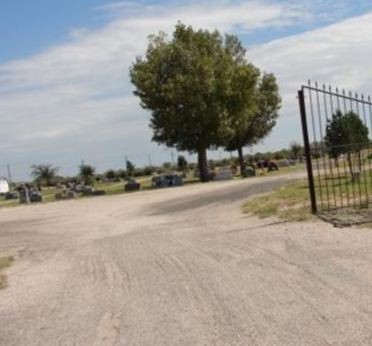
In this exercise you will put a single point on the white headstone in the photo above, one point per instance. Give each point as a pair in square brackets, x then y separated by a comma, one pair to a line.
[224, 173]
[4, 185]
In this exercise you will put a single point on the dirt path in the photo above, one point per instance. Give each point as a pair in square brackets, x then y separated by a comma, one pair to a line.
[181, 266]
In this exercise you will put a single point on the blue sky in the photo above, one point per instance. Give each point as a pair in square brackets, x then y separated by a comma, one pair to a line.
[65, 94]
[28, 27]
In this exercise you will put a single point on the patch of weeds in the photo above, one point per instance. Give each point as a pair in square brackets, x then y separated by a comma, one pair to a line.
[289, 202]
[5, 262]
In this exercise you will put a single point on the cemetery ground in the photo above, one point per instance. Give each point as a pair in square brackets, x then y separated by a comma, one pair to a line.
[117, 187]
[182, 266]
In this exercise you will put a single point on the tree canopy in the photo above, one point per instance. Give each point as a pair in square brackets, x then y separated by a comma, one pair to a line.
[345, 133]
[202, 93]
[182, 163]
[130, 167]
[87, 173]
[184, 81]
[44, 174]
[256, 113]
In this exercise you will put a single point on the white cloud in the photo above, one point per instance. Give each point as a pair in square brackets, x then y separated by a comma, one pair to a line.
[338, 55]
[75, 99]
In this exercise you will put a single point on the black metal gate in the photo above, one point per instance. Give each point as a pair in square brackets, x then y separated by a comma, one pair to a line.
[337, 128]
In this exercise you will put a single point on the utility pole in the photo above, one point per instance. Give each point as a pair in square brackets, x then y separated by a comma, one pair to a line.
[150, 162]
[9, 174]
[172, 155]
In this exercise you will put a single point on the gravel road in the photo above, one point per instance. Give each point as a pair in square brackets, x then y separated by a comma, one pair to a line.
[181, 266]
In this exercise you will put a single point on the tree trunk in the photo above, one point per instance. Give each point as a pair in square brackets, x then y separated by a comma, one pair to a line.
[241, 161]
[350, 166]
[203, 165]
[360, 160]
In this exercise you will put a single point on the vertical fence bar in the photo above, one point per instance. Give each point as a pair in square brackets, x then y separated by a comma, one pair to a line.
[322, 140]
[354, 177]
[329, 159]
[301, 99]
[368, 182]
[361, 150]
[345, 168]
[319, 151]
[369, 146]
[340, 177]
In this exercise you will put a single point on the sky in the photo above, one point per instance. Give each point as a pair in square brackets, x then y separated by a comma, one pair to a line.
[65, 93]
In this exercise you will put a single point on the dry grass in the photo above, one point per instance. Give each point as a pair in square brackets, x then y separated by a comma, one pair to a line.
[290, 202]
[5, 262]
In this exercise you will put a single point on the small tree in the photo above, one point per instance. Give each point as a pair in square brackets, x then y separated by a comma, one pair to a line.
[44, 174]
[87, 174]
[130, 168]
[110, 174]
[296, 150]
[182, 163]
[346, 134]
[122, 174]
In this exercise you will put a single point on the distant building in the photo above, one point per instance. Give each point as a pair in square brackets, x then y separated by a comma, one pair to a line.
[4, 185]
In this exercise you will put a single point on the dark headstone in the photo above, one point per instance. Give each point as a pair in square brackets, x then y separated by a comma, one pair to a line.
[132, 186]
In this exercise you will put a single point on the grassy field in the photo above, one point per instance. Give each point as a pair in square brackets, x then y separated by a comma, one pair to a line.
[5, 262]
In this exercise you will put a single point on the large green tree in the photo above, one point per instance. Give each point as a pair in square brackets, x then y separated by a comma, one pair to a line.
[185, 83]
[346, 134]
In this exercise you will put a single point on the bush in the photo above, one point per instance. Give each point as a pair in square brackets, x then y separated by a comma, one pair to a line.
[110, 174]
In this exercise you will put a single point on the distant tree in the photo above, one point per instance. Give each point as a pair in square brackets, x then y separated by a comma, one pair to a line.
[148, 170]
[110, 174]
[296, 150]
[167, 165]
[122, 174]
[87, 173]
[346, 134]
[182, 163]
[130, 168]
[44, 174]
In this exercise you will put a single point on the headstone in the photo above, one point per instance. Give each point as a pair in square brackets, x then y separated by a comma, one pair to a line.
[272, 166]
[4, 185]
[249, 171]
[11, 195]
[224, 173]
[35, 196]
[24, 197]
[132, 186]
[87, 190]
[167, 180]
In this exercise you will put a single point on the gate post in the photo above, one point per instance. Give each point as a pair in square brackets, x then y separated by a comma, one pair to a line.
[305, 132]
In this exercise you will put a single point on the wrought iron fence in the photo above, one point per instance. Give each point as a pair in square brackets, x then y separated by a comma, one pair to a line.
[337, 128]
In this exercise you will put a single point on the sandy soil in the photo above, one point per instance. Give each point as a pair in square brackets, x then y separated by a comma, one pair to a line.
[181, 266]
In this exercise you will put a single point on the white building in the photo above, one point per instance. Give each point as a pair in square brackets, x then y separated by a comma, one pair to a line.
[4, 185]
